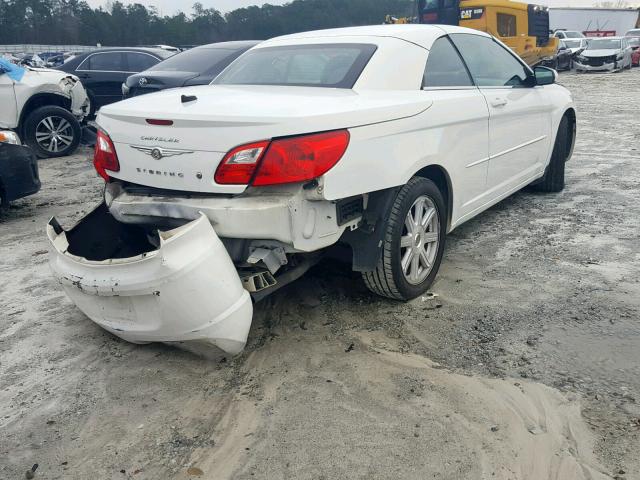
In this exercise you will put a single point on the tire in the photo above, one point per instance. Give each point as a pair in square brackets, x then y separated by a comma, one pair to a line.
[92, 106]
[52, 120]
[553, 179]
[419, 198]
[4, 203]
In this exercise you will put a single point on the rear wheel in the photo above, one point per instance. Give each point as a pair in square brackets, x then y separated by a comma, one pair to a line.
[553, 179]
[413, 243]
[52, 131]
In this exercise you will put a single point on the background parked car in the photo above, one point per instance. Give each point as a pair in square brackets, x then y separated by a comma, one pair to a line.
[633, 37]
[635, 32]
[168, 48]
[18, 169]
[634, 43]
[576, 45]
[103, 71]
[605, 54]
[562, 60]
[198, 66]
[568, 34]
[44, 106]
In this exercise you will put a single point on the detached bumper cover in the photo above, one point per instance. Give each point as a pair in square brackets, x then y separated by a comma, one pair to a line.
[186, 290]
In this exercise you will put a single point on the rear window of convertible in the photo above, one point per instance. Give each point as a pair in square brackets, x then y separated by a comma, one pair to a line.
[316, 65]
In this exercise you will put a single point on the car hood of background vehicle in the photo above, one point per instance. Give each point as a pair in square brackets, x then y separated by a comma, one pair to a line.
[158, 78]
[223, 117]
[601, 53]
[47, 75]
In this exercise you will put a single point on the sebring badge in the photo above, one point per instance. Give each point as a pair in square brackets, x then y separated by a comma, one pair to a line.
[159, 153]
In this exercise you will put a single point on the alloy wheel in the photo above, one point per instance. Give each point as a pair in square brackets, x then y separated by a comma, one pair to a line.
[54, 134]
[419, 240]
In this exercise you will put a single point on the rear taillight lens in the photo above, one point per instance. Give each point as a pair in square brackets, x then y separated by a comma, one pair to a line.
[285, 160]
[104, 157]
[239, 165]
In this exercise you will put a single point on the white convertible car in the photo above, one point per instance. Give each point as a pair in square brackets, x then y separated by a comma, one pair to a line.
[382, 138]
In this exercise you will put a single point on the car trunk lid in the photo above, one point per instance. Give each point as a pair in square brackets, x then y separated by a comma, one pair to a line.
[206, 122]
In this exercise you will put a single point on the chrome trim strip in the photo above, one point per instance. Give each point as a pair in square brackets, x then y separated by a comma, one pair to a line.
[522, 145]
[478, 162]
[525, 144]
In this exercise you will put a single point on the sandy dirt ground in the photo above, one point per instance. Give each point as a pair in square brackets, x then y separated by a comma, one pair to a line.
[523, 364]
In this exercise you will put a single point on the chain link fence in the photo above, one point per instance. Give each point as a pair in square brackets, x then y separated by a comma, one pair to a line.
[33, 48]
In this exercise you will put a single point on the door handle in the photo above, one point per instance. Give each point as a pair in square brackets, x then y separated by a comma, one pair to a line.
[498, 102]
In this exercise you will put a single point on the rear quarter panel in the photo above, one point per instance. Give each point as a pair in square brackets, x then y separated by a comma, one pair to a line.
[452, 133]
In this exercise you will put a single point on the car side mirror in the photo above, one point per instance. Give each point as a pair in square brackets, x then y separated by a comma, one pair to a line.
[545, 75]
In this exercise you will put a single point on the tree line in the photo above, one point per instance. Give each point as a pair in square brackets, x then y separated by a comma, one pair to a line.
[74, 22]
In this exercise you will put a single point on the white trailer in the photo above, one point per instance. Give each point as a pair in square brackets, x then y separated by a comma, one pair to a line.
[618, 20]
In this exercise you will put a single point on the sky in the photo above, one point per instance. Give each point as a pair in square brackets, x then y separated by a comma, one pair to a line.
[169, 7]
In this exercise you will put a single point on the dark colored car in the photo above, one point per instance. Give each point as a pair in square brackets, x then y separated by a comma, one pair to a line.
[18, 173]
[103, 71]
[197, 66]
[562, 60]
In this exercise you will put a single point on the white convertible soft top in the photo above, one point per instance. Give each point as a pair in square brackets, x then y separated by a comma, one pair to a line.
[422, 35]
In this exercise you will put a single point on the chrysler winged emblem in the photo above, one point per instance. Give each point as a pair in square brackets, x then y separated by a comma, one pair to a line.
[143, 81]
[159, 153]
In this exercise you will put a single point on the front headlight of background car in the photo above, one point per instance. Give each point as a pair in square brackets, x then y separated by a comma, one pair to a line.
[7, 136]
[620, 56]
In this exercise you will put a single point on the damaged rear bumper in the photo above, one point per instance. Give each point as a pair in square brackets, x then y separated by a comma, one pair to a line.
[185, 289]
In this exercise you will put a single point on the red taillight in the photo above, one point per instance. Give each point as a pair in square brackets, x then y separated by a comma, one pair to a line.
[286, 160]
[104, 157]
[238, 166]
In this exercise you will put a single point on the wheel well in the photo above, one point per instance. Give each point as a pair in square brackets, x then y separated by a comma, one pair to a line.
[42, 100]
[570, 114]
[440, 177]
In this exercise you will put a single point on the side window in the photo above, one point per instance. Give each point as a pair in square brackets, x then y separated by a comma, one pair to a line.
[506, 25]
[106, 62]
[445, 67]
[491, 64]
[138, 62]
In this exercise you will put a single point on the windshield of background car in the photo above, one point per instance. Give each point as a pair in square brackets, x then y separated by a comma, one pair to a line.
[633, 33]
[316, 65]
[573, 35]
[573, 43]
[604, 44]
[634, 42]
[197, 60]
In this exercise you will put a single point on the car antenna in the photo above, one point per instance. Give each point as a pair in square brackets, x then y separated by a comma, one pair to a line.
[188, 98]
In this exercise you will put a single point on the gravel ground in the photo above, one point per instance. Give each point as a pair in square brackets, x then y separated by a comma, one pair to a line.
[523, 364]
